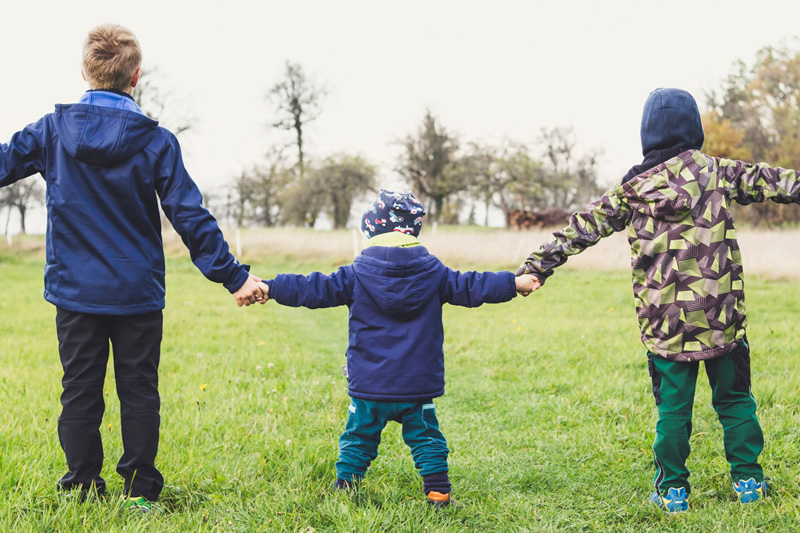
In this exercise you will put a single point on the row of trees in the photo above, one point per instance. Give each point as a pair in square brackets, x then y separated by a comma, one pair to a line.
[452, 178]
[754, 116]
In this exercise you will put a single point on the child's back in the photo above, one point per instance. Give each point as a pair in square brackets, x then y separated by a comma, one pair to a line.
[687, 280]
[107, 167]
[395, 362]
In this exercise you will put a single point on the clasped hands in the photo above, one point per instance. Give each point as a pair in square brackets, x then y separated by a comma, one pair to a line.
[253, 291]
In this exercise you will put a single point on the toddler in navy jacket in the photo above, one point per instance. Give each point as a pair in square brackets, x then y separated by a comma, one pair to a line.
[395, 364]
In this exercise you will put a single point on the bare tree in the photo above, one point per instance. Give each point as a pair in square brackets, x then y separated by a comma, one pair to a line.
[343, 179]
[297, 100]
[160, 104]
[570, 178]
[21, 196]
[431, 165]
[506, 177]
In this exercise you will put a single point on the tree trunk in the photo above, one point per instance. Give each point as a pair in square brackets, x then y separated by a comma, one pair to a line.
[298, 126]
[22, 209]
[438, 202]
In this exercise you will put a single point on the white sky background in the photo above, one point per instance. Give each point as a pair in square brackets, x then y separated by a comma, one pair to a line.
[487, 69]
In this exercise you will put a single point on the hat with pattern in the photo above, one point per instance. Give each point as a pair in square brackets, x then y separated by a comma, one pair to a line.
[393, 211]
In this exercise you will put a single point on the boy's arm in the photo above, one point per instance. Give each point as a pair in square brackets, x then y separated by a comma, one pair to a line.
[472, 289]
[22, 156]
[183, 206]
[313, 291]
[747, 183]
[602, 218]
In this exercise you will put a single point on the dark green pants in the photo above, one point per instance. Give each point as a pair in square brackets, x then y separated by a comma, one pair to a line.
[358, 445]
[674, 388]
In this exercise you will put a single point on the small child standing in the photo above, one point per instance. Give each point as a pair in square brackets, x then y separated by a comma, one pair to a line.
[395, 363]
[688, 283]
[107, 167]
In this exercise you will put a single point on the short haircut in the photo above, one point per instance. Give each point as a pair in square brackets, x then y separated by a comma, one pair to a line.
[111, 56]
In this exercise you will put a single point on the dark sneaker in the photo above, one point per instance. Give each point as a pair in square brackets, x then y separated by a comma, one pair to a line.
[749, 491]
[674, 501]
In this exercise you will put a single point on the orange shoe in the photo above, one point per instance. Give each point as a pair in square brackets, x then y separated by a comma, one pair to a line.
[438, 500]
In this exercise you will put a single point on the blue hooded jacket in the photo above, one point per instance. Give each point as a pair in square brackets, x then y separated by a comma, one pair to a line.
[395, 296]
[671, 124]
[106, 169]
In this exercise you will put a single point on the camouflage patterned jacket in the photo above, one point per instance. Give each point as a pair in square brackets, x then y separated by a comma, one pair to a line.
[687, 269]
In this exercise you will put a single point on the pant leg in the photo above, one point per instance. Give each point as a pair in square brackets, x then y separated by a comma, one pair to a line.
[673, 387]
[421, 434]
[136, 341]
[83, 348]
[358, 445]
[729, 377]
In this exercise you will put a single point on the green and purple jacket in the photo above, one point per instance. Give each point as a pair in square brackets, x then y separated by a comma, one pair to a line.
[687, 269]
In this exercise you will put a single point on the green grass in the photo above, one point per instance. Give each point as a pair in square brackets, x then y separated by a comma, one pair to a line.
[548, 414]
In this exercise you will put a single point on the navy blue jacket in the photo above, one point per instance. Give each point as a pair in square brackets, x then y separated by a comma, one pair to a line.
[106, 170]
[395, 296]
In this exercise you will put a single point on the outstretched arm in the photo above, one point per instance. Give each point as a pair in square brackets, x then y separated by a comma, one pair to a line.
[747, 183]
[313, 291]
[22, 156]
[602, 218]
[472, 289]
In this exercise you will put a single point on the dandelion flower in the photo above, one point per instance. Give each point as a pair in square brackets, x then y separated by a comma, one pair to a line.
[109, 426]
[514, 321]
[203, 386]
[261, 343]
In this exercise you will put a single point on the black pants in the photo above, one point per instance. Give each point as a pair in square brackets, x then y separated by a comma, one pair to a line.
[83, 342]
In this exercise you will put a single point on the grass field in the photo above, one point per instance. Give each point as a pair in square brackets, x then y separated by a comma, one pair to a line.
[548, 410]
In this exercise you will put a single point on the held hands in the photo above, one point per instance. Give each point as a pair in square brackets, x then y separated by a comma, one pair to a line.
[527, 283]
[251, 292]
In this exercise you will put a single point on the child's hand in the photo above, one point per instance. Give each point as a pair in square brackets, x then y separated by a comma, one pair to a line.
[251, 292]
[527, 283]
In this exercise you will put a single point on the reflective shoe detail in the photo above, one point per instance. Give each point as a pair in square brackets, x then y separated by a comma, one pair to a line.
[750, 491]
[437, 499]
[139, 504]
[674, 501]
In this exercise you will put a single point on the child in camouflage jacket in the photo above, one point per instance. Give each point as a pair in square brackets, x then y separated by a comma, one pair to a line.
[687, 282]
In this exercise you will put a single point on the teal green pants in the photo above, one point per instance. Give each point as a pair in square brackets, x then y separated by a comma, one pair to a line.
[674, 388]
[358, 445]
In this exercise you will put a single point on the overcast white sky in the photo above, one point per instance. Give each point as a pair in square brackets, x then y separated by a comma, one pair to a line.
[488, 69]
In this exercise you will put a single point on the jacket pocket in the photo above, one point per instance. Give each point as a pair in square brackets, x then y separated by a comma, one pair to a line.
[655, 377]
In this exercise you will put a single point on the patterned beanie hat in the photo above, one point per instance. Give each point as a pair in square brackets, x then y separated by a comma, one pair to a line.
[393, 211]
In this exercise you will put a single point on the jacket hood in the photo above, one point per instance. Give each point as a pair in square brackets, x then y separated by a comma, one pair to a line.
[102, 136]
[399, 280]
[670, 125]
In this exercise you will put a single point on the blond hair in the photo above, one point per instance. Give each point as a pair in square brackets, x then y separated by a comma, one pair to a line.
[111, 56]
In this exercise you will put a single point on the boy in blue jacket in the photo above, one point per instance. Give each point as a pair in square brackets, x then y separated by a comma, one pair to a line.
[395, 363]
[106, 167]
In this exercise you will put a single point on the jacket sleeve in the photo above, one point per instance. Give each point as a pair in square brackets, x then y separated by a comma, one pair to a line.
[313, 291]
[23, 155]
[746, 183]
[183, 205]
[472, 289]
[602, 218]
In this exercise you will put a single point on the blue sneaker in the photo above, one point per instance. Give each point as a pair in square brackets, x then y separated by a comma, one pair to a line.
[673, 502]
[749, 491]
